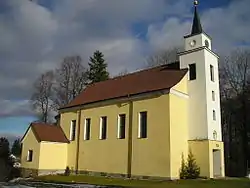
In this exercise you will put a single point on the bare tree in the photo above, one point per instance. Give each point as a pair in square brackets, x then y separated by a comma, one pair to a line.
[70, 79]
[41, 98]
[162, 57]
[123, 73]
[234, 81]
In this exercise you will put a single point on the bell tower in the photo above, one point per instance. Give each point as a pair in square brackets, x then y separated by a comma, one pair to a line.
[203, 84]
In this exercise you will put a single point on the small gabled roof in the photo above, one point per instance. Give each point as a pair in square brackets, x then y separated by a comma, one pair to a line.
[149, 80]
[47, 132]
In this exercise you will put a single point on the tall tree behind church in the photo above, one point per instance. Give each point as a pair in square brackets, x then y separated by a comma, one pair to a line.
[70, 80]
[97, 68]
[41, 98]
[235, 92]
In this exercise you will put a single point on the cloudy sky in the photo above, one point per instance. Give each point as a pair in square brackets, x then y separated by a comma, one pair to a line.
[36, 35]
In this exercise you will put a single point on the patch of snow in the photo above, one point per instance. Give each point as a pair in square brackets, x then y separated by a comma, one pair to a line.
[13, 156]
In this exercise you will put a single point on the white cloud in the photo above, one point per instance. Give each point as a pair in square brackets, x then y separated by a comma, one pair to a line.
[34, 39]
[167, 34]
[228, 26]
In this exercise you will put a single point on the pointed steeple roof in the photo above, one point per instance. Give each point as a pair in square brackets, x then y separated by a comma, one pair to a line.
[196, 28]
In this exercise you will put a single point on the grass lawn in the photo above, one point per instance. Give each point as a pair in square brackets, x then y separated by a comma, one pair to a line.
[232, 183]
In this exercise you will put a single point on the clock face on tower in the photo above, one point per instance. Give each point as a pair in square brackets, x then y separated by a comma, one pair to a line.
[192, 43]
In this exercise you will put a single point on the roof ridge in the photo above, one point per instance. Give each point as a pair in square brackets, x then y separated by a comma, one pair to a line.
[42, 123]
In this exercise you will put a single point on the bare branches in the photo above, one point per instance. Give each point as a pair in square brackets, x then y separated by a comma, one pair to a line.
[122, 73]
[41, 99]
[235, 88]
[57, 88]
[70, 79]
[235, 71]
[164, 57]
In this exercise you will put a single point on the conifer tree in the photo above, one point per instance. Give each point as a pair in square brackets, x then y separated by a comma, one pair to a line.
[189, 169]
[16, 148]
[193, 171]
[4, 148]
[97, 68]
[183, 170]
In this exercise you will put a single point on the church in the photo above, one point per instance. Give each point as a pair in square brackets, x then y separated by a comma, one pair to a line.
[140, 124]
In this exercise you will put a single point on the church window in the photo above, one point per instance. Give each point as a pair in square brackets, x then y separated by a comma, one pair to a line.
[215, 135]
[142, 125]
[121, 126]
[73, 130]
[213, 96]
[212, 72]
[30, 155]
[103, 128]
[87, 129]
[207, 43]
[214, 115]
[192, 71]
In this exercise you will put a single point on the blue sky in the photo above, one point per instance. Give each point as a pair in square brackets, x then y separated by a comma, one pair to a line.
[35, 36]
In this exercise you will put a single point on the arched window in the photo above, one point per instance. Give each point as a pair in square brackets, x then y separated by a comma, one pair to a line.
[215, 135]
[214, 115]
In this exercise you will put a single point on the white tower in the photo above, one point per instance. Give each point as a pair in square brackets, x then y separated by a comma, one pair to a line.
[203, 84]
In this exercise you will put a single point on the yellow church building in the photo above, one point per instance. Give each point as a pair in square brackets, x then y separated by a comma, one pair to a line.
[140, 124]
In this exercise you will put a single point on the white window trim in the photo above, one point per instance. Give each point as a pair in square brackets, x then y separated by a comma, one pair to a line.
[214, 115]
[118, 127]
[100, 130]
[28, 158]
[212, 78]
[213, 95]
[139, 126]
[85, 130]
[70, 132]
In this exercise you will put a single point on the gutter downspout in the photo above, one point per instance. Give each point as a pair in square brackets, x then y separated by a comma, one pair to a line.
[78, 140]
[130, 136]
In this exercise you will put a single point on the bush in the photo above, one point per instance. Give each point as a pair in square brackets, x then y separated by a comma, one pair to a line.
[189, 170]
[67, 171]
[183, 171]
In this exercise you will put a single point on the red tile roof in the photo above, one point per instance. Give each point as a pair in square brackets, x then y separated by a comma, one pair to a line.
[48, 132]
[154, 79]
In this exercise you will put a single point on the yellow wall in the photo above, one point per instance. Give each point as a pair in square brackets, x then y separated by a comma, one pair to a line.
[178, 132]
[30, 143]
[65, 123]
[108, 155]
[182, 86]
[203, 153]
[151, 155]
[53, 156]
[178, 127]
[111, 155]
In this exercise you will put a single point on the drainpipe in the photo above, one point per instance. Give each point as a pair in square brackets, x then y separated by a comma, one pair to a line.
[78, 141]
[129, 162]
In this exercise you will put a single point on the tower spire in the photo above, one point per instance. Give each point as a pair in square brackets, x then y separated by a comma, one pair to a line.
[196, 28]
